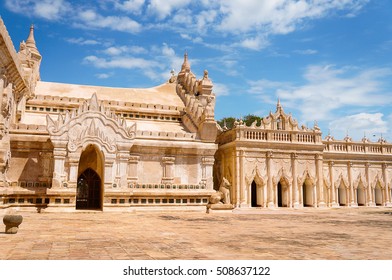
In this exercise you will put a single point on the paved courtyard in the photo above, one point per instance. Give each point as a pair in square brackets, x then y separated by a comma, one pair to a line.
[346, 233]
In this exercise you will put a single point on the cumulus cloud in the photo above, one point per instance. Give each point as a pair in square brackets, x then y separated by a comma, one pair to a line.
[47, 9]
[358, 125]
[330, 93]
[164, 10]
[156, 62]
[82, 41]
[306, 52]
[336, 88]
[130, 6]
[91, 19]
[277, 16]
[220, 89]
[124, 50]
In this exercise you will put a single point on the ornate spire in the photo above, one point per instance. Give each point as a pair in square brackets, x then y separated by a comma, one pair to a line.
[278, 106]
[186, 67]
[30, 42]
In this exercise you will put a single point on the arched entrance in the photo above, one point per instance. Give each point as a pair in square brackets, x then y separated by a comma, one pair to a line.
[378, 194]
[361, 198]
[257, 195]
[342, 195]
[307, 193]
[254, 194]
[89, 192]
[282, 195]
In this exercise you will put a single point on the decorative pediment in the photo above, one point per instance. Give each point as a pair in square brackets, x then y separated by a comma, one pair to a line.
[279, 120]
[91, 122]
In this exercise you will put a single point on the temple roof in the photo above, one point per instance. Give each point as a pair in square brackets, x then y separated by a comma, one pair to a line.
[164, 94]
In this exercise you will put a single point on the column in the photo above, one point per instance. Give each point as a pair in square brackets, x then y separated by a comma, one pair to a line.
[333, 191]
[132, 169]
[352, 202]
[244, 198]
[58, 172]
[369, 186]
[294, 157]
[168, 169]
[122, 164]
[387, 192]
[270, 190]
[320, 181]
[73, 169]
[207, 169]
[109, 162]
[237, 178]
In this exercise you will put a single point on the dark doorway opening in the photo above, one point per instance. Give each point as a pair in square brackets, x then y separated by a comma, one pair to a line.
[280, 202]
[88, 195]
[254, 194]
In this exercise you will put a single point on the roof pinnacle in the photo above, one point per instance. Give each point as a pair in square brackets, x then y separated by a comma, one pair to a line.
[186, 67]
[30, 42]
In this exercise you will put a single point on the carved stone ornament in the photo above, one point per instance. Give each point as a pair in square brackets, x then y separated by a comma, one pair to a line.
[91, 122]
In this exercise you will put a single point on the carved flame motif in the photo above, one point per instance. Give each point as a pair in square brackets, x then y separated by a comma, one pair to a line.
[92, 121]
[91, 106]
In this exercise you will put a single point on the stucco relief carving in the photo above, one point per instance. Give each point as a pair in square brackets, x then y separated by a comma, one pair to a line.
[360, 180]
[306, 177]
[92, 122]
[255, 173]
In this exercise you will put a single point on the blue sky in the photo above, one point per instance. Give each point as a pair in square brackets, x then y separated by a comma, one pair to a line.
[327, 60]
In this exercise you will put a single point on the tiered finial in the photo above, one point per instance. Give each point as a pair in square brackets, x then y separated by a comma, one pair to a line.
[30, 42]
[186, 67]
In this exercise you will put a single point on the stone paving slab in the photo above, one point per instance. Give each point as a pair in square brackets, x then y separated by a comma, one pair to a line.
[346, 233]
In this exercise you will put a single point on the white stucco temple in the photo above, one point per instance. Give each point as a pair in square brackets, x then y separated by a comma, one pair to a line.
[66, 146]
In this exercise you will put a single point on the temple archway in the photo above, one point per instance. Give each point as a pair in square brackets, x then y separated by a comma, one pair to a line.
[89, 193]
[282, 194]
[307, 194]
[378, 194]
[342, 194]
[361, 195]
[257, 195]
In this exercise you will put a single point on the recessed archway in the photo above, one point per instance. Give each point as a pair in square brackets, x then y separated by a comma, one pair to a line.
[342, 195]
[361, 195]
[89, 193]
[378, 195]
[282, 194]
[307, 193]
[257, 195]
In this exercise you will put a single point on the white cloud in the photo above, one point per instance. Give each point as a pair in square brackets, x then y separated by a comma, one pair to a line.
[358, 125]
[336, 97]
[91, 19]
[156, 63]
[126, 50]
[121, 62]
[336, 88]
[220, 89]
[81, 41]
[277, 16]
[47, 9]
[256, 43]
[104, 75]
[130, 6]
[163, 10]
[306, 52]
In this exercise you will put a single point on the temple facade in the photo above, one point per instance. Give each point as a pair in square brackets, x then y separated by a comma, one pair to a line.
[66, 146]
[278, 164]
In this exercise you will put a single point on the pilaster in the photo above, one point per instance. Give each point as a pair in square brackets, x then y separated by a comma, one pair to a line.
[294, 157]
[269, 181]
[133, 161]
[168, 169]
